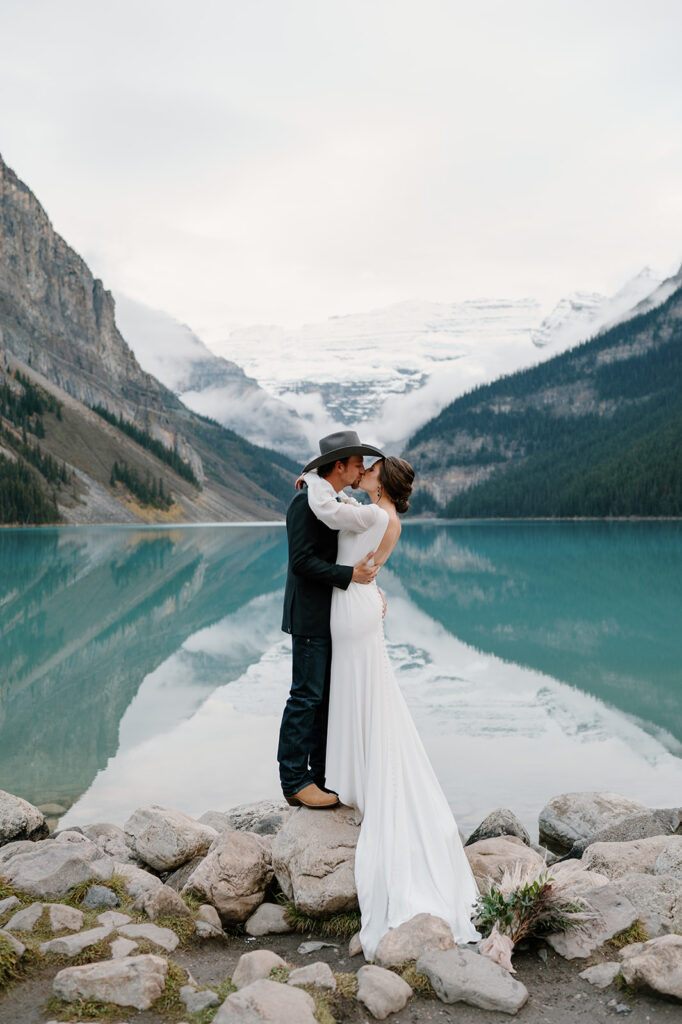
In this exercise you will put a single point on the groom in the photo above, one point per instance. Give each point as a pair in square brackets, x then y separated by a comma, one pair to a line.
[311, 574]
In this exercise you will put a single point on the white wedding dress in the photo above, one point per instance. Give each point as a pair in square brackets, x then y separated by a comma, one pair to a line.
[409, 858]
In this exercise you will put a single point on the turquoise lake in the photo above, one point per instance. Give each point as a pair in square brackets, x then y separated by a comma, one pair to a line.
[145, 665]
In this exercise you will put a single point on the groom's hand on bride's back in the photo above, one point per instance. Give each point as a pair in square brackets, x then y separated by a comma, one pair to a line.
[363, 572]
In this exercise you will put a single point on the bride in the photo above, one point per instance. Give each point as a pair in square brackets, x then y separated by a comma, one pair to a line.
[409, 858]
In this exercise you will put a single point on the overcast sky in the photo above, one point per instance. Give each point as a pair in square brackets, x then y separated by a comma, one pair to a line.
[281, 161]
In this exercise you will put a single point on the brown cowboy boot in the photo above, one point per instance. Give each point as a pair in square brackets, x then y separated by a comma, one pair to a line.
[314, 797]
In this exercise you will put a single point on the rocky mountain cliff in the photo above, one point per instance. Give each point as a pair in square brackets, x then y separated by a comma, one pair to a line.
[596, 430]
[57, 327]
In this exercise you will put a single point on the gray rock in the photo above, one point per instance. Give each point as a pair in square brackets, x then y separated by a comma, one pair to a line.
[210, 915]
[269, 919]
[313, 855]
[140, 885]
[63, 918]
[500, 822]
[165, 938]
[100, 897]
[129, 981]
[165, 838]
[570, 817]
[25, 920]
[233, 876]
[20, 820]
[12, 849]
[382, 991]
[18, 948]
[122, 947]
[656, 822]
[656, 898]
[601, 975]
[111, 840]
[265, 1001]
[638, 856]
[656, 964]
[195, 1001]
[319, 974]
[113, 919]
[669, 860]
[204, 930]
[489, 858]
[574, 880]
[52, 868]
[178, 878]
[265, 817]
[253, 966]
[165, 902]
[306, 948]
[355, 946]
[613, 913]
[72, 945]
[461, 976]
[9, 904]
[421, 934]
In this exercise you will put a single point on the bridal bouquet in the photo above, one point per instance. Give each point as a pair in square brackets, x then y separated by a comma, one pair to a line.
[523, 904]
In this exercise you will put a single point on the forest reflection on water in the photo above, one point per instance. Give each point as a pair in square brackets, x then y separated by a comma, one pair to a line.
[147, 665]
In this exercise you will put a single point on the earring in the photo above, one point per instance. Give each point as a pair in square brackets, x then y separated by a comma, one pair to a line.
[379, 494]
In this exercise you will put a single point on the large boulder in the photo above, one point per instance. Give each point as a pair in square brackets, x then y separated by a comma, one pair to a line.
[264, 817]
[610, 913]
[656, 898]
[656, 964]
[574, 881]
[639, 856]
[165, 838]
[233, 876]
[669, 860]
[500, 822]
[313, 856]
[382, 991]
[461, 976]
[51, 868]
[663, 821]
[490, 857]
[20, 820]
[265, 1001]
[130, 981]
[421, 934]
[569, 817]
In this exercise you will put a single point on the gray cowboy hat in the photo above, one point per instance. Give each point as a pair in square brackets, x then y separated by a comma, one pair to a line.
[339, 446]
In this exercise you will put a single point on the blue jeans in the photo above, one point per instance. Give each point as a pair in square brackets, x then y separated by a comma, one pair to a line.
[303, 733]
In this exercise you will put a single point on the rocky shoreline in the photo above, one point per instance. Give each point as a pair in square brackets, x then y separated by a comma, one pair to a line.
[113, 923]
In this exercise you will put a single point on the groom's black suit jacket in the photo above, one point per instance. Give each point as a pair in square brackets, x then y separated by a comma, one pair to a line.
[312, 571]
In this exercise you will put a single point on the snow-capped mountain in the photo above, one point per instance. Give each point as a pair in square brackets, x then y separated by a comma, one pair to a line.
[391, 370]
[584, 314]
[207, 383]
[385, 372]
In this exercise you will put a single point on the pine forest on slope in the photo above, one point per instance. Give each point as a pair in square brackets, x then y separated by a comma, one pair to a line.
[595, 431]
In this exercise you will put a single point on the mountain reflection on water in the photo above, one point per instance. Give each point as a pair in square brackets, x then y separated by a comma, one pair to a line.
[86, 615]
[142, 665]
[596, 605]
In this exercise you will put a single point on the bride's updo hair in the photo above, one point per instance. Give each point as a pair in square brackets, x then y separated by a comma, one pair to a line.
[396, 478]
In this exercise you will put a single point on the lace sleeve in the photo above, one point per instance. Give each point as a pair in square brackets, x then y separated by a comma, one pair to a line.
[335, 514]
